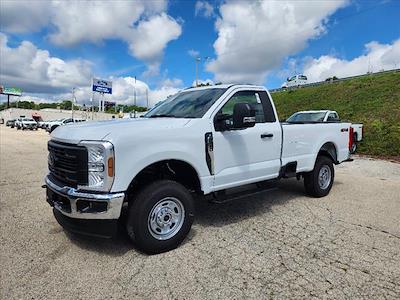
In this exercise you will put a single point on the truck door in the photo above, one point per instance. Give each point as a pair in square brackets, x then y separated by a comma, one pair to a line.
[252, 154]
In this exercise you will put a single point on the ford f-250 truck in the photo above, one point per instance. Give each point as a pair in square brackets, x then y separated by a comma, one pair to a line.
[202, 141]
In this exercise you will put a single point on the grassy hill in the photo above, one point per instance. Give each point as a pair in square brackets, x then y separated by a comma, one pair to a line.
[373, 100]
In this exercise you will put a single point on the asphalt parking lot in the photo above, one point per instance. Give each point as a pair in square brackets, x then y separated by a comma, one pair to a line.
[280, 244]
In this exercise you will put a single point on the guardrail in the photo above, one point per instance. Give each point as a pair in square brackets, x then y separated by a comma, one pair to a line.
[331, 81]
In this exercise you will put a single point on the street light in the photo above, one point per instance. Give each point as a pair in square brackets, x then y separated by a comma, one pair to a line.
[73, 101]
[198, 59]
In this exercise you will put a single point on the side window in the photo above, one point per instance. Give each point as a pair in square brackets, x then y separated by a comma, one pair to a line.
[268, 109]
[332, 117]
[253, 98]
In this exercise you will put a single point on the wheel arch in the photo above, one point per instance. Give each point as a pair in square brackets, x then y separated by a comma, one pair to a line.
[329, 149]
[172, 169]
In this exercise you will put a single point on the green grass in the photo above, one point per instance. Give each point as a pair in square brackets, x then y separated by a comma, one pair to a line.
[373, 100]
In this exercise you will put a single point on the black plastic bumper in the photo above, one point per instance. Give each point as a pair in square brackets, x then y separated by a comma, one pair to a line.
[96, 228]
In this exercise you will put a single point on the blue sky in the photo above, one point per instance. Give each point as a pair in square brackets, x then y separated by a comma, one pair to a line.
[257, 42]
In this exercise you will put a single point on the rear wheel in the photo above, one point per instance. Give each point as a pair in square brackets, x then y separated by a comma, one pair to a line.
[160, 216]
[354, 145]
[319, 181]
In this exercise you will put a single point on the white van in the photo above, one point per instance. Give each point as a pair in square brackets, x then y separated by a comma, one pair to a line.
[295, 80]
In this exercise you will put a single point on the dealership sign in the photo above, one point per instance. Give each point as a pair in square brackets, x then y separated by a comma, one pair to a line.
[10, 91]
[102, 86]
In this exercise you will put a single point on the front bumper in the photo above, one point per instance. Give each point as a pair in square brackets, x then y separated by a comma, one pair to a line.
[29, 126]
[82, 205]
[95, 228]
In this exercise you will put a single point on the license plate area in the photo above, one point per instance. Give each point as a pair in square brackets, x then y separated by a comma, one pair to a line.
[55, 199]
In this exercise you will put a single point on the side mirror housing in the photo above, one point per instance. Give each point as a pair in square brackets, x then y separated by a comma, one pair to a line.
[244, 116]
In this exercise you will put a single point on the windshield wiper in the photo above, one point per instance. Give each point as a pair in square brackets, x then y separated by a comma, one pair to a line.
[162, 116]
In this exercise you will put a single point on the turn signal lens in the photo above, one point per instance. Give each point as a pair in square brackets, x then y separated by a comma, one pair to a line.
[110, 164]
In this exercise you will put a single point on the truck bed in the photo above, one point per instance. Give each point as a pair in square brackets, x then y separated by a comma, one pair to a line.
[301, 142]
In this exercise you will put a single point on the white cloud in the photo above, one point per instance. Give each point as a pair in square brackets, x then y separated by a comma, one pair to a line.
[203, 8]
[45, 78]
[194, 53]
[148, 40]
[143, 25]
[203, 81]
[24, 16]
[377, 57]
[35, 70]
[254, 38]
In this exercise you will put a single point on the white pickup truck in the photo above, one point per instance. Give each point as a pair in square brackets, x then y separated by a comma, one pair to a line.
[50, 126]
[327, 116]
[26, 123]
[202, 141]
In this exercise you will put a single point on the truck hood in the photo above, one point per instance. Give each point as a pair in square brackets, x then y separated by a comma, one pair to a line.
[105, 130]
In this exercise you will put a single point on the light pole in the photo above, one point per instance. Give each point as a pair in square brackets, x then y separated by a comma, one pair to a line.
[197, 60]
[134, 99]
[73, 101]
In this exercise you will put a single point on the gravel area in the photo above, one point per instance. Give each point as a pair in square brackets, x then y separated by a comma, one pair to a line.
[280, 244]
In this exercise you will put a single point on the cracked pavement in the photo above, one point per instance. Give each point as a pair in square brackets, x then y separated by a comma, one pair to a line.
[279, 244]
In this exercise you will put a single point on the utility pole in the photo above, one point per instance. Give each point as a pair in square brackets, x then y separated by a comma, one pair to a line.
[92, 107]
[73, 101]
[197, 60]
[147, 99]
[134, 99]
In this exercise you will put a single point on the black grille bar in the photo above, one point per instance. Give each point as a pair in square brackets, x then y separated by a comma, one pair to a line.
[68, 163]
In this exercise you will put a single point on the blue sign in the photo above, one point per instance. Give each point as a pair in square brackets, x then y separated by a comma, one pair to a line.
[102, 86]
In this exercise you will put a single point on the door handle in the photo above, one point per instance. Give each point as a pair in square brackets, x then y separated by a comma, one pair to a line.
[266, 135]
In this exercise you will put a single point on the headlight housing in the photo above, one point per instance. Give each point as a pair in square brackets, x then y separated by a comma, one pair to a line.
[100, 166]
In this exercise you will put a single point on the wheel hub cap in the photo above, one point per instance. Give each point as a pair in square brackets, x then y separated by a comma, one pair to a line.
[324, 177]
[166, 218]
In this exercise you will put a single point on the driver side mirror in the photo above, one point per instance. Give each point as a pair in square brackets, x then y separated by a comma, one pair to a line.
[244, 116]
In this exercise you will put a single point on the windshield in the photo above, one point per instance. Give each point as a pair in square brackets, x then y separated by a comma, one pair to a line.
[307, 117]
[189, 104]
[28, 120]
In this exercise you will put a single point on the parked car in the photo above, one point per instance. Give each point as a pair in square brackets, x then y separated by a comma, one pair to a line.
[11, 123]
[26, 123]
[200, 143]
[41, 124]
[54, 124]
[328, 116]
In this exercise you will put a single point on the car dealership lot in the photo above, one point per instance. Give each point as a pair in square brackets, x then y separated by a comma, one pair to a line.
[274, 245]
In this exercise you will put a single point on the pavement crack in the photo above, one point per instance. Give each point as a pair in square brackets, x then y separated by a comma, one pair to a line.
[371, 228]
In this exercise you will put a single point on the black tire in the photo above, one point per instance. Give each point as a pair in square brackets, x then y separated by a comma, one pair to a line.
[138, 220]
[311, 179]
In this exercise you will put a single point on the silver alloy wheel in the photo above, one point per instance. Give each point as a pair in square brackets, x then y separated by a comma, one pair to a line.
[324, 177]
[166, 218]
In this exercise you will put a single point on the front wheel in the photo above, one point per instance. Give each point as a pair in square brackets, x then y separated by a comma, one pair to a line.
[160, 216]
[319, 181]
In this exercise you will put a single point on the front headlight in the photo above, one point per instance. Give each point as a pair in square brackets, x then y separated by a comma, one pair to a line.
[100, 165]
